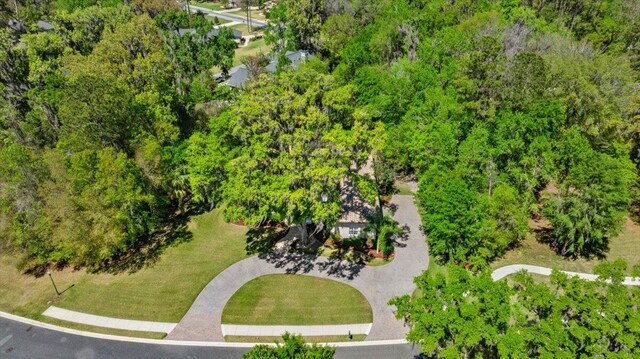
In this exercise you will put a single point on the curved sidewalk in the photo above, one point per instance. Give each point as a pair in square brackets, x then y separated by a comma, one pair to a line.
[515, 268]
[378, 284]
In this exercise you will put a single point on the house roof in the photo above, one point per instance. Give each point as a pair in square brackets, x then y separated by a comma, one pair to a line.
[295, 59]
[239, 76]
[354, 207]
[237, 34]
[44, 25]
[367, 168]
[182, 32]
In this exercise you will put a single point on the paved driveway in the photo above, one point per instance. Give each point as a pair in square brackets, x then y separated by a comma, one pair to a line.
[378, 284]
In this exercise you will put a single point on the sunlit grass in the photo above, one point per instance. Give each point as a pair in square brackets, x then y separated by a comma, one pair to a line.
[283, 299]
[164, 291]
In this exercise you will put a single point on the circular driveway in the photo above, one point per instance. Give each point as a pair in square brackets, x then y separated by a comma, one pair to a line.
[378, 284]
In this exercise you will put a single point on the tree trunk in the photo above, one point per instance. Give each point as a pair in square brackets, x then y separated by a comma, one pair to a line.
[304, 235]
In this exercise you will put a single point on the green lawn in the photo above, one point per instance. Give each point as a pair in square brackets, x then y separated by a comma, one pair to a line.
[625, 246]
[376, 262]
[220, 20]
[255, 14]
[254, 47]
[207, 5]
[283, 299]
[164, 291]
[91, 328]
[321, 339]
[244, 28]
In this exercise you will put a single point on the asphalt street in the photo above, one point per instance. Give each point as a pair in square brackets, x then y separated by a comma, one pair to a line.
[21, 340]
[227, 16]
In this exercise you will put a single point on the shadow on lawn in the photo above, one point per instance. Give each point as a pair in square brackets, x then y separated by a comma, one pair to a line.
[148, 250]
[595, 250]
[301, 263]
[260, 240]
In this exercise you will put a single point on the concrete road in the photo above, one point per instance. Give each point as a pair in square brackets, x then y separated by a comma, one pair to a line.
[20, 339]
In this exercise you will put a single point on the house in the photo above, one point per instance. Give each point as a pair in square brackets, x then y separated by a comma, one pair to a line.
[295, 59]
[356, 211]
[182, 32]
[237, 34]
[44, 26]
[240, 74]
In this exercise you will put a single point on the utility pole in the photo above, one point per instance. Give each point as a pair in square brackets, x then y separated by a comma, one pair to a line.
[188, 8]
[248, 2]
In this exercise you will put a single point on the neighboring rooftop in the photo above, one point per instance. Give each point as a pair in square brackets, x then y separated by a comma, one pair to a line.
[240, 74]
[44, 25]
[295, 59]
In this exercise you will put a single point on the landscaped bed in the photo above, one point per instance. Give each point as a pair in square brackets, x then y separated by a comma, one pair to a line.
[162, 291]
[356, 250]
[283, 299]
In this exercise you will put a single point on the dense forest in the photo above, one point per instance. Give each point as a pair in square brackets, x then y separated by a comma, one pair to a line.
[504, 110]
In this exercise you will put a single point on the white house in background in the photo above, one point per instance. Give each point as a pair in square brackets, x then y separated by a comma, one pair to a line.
[356, 212]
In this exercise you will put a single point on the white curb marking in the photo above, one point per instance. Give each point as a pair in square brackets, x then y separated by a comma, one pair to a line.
[304, 330]
[180, 342]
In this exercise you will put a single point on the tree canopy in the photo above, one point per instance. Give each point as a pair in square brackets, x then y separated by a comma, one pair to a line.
[293, 347]
[458, 315]
[503, 110]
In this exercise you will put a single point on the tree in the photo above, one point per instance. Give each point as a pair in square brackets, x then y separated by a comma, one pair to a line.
[453, 216]
[279, 34]
[207, 156]
[191, 54]
[336, 32]
[292, 157]
[457, 315]
[576, 317]
[155, 7]
[73, 5]
[293, 347]
[305, 17]
[593, 198]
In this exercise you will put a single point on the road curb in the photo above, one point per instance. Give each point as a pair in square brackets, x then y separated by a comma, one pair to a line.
[178, 342]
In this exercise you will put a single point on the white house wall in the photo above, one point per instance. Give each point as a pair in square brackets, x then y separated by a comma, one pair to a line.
[343, 229]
